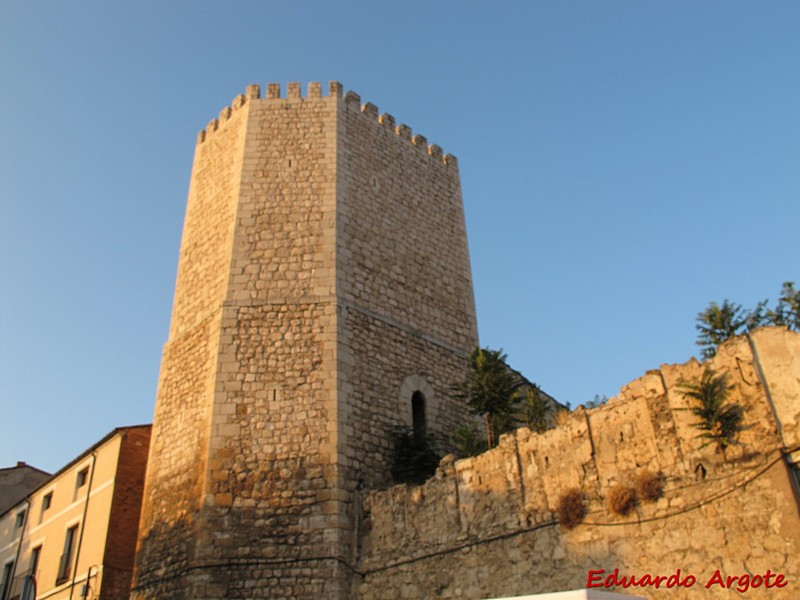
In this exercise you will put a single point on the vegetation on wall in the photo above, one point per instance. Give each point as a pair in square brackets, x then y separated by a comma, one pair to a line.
[503, 397]
[496, 393]
[719, 322]
[535, 409]
[597, 401]
[414, 458]
[490, 390]
[719, 420]
[468, 441]
[649, 486]
[570, 510]
[621, 499]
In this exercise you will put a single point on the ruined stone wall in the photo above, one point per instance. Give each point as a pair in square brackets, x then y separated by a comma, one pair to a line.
[779, 357]
[486, 527]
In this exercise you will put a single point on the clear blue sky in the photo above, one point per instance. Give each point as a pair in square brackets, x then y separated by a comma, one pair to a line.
[623, 164]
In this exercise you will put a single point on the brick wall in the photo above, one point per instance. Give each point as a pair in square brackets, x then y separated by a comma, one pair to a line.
[126, 506]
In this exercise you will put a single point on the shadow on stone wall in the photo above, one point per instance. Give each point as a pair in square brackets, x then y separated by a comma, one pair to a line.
[242, 552]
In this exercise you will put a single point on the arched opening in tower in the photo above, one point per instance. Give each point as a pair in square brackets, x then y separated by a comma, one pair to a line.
[418, 416]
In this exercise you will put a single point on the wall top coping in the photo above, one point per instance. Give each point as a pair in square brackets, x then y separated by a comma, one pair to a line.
[352, 101]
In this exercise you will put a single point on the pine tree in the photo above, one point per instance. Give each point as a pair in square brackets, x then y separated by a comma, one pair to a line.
[787, 312]
[490, 390]
[535, 409]
[718, 323]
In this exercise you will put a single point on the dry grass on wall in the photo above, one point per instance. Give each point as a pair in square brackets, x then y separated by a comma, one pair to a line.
[621, 500]
[571, 510]
[649, 486]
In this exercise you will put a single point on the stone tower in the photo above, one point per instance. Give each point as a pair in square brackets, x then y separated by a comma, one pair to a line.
[323, 296]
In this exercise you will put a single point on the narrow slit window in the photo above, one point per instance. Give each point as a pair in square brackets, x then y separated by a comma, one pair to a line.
[418, 417]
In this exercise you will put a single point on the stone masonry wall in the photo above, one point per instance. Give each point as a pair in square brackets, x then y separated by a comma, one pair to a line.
[176, 475]
[485, 527]
[779, 356]
[272, 520]
[323, 279]
[258, 262]
[404, 286]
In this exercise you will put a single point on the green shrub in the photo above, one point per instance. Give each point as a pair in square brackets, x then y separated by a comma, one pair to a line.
[468, 441]
[414, 460]
[535, 410]
[490, 390]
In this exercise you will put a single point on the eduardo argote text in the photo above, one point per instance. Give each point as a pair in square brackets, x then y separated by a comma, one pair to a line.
[600, 578]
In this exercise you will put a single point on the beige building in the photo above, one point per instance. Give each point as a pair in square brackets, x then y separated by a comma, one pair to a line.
[74, 535]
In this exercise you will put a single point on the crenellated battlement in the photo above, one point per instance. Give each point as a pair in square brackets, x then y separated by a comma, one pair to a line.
[352, 101]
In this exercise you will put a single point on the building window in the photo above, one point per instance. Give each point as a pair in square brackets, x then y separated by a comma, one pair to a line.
[29, 578]
[80, 481]
[65, 564]
[47, 500]
[8, 569]
[83, 475]
[35, 559]
[418, 417]
[20, 519]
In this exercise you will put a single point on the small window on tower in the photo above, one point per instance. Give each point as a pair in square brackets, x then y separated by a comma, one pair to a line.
[418, 416]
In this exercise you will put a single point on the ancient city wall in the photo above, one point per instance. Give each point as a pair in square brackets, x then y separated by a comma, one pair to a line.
[486, 527]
